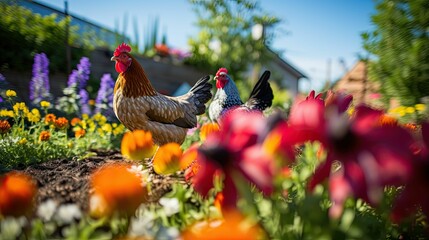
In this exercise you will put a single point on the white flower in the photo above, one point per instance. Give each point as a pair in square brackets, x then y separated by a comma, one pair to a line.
[67, 213]
[142, 226]
[170, 233]
[11, 227]
[171, 205]
[140, 172]
[47, 209]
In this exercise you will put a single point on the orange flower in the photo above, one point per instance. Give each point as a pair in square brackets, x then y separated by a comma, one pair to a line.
[233, 226]
[167, 159]
[61, 123]
[411, 126]
[50, 118]
[137, 145]
[162, 49]
[116, 190]
[218, 201]
[189, 156]
[208, 128]
[4, 126]
[17, 194]
[79, 133]
[44, 136]
[75, 121]
[386, 120]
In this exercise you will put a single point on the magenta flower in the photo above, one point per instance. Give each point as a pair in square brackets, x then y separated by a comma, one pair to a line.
[234, 153]
[415, 194]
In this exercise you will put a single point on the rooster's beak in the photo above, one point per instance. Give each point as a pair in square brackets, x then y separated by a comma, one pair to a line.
[114, 58]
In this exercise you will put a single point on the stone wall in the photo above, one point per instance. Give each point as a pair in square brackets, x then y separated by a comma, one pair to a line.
[165, 76]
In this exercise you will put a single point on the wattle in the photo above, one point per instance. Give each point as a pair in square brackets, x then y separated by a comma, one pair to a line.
[221, 83]
[120, 67]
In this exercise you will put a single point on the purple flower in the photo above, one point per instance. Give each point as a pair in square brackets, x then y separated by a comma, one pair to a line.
[39, 84]
[84, 97]
[104, 100]
[79, 78]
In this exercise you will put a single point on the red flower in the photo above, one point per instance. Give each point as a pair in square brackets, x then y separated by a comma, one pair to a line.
[233, 150]
[371, 155]
[415, 191]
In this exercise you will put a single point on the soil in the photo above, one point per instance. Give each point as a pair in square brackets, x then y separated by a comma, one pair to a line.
[67, 180]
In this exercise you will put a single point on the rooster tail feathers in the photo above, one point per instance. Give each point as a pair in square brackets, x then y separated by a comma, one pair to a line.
[201, 92]
[261, 96]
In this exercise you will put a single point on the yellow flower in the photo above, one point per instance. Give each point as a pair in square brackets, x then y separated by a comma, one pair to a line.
[137, 145]
[123, 195]
[107, 128]
[34, 115]
[45, 104]
[85, 116]
[23, 141]
[10, 93]
[410, 110]
[208, 128]
[167, 159]
[18, 107]
[119, 129]
[420, 107]
[44, 136]
[6, 113]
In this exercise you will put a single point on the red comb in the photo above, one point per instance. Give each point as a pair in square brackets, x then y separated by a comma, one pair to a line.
[123, 47]
[221, 70]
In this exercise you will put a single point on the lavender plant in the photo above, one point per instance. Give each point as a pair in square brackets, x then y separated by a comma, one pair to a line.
[104, 100]
[83, 101]
[39, 84]
[71, 102]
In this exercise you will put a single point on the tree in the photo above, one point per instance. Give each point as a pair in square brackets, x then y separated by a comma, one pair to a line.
[399, 46]
[225, 38]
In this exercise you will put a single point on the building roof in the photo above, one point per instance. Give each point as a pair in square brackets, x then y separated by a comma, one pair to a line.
[286, 65]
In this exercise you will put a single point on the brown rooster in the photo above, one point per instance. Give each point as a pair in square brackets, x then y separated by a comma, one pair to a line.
[139, 106]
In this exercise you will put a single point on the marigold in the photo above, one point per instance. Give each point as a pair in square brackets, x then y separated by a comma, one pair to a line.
[79, 133]
[6, 113]
[233, 226]
[10, 93]
[4, 126]
[17, 194]
[61, 123]
[386, 120]
[45, 104]
[420, 107]
[50, 118]
[75, 121]
[137, 145]
[44, 136]
[208, 128]
[167, 158]
[123, 195]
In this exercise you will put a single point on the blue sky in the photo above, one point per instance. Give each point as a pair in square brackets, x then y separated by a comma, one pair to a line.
[312, 32]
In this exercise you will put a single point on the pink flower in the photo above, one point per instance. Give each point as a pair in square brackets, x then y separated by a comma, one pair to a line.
[233, 151]
[415, 191]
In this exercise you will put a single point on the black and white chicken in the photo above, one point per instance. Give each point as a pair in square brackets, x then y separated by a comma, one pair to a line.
[227, 95]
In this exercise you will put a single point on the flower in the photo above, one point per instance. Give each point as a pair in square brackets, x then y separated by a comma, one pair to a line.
[46, 210]
[208, 128]
[104, 100]
[124, 195]
[167, 159]
[414, 195]
[371, 155]
[39, 84]
[162, 49]
[67, 213]
[75, 121]
[45, 104]
[44, 136]
[34, 115]
[235, 150]
[10, 93]
[171, 206]
[79, 133]
[17, 194]
[84, 101]
[79, 77]
[4, 126]
[61, 123]
[6, 113]
[50, 118]
[137, 145]
[233, 226]
[420, 107]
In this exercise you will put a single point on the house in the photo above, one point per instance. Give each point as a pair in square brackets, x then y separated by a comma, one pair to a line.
[356, 83]
[283, 73]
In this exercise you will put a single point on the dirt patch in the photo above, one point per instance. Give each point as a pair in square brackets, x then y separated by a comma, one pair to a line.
[67, 180]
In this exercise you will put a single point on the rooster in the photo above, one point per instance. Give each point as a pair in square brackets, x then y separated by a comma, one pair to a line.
[227, 95]
[139, 106]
